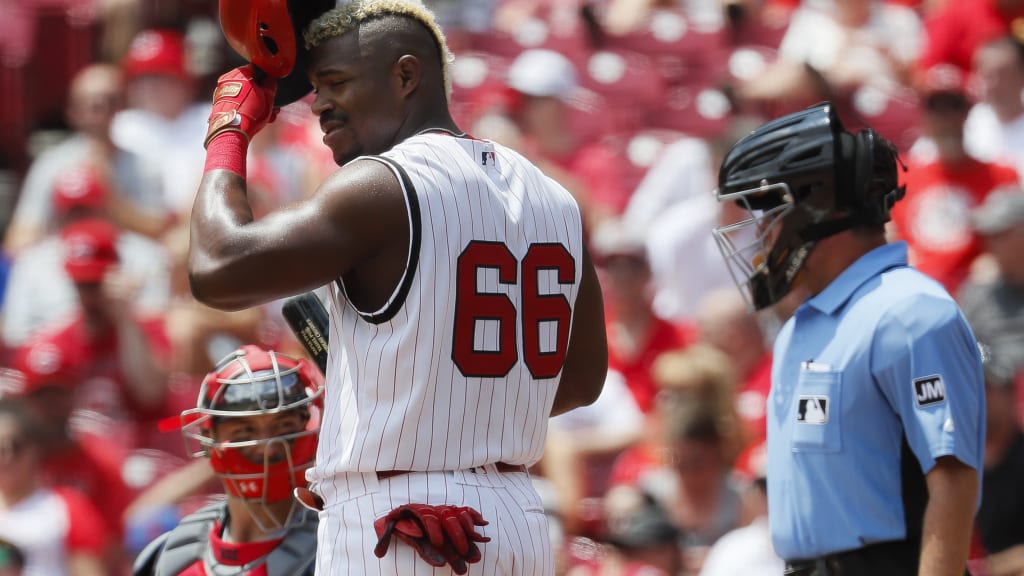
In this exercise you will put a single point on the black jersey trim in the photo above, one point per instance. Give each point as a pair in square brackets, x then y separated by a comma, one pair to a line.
[415, 240]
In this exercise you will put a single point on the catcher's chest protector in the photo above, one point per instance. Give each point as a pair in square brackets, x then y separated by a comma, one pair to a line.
[189, 544]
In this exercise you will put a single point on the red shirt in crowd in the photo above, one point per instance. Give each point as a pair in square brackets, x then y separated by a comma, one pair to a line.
[956, 29]
[93, 468]
[104, 389]
[934, 217]
[663, 336]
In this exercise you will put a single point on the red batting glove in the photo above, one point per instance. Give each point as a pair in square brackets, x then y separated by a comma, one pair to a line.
[440, 534]
[242, 103]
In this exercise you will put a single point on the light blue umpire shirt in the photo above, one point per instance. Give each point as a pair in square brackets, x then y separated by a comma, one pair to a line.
[881, 352]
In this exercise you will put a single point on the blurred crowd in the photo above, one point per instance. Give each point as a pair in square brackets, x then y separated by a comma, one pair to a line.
[630, 104]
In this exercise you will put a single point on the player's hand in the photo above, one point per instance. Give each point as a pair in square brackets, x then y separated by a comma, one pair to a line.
[441, 535]
[243, 102]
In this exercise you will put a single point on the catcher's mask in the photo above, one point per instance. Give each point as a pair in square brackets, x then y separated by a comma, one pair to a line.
[268, 33]
[799, 179]
[260, 468]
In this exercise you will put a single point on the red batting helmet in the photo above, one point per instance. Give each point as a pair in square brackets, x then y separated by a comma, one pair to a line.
[268, 33]
[253, 382]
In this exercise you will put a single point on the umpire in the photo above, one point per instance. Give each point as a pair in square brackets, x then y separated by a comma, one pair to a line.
[876, 413]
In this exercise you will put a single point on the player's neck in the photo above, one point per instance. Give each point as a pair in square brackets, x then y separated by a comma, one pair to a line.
[418, 123]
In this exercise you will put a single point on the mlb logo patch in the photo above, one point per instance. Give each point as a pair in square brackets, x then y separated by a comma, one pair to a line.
[812, 410]
[929, 390]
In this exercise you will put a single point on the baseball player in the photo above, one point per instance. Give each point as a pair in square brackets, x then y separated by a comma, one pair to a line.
[256, 420]
[464, 309]
[876, 420]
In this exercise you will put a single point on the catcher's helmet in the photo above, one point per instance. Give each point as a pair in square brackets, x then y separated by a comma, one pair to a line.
[255, 382]
[268, 33]
[801, 178]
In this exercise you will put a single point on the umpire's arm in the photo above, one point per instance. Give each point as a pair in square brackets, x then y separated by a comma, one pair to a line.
[948, 517]
[586, 363]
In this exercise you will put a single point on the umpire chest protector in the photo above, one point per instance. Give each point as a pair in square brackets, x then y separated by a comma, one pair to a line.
[189, 543]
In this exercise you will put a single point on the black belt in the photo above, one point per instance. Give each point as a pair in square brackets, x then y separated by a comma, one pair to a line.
[895, 558]
[503, 467]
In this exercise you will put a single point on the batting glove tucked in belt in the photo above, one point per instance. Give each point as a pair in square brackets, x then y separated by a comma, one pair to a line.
[443, 534]
[242, 103]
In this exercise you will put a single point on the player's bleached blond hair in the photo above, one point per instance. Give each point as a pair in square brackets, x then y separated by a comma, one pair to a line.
[348, 17]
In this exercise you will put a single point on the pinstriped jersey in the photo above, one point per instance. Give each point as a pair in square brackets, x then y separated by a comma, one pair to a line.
[460, 367]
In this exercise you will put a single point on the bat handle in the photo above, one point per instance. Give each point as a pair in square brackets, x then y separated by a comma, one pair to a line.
[309, 321]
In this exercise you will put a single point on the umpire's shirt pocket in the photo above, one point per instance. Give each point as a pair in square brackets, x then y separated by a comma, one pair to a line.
[817, 412]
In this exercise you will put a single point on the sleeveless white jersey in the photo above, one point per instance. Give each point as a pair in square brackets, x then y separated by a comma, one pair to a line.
[460, 367]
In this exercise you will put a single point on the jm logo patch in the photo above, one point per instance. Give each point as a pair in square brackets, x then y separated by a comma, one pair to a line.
[812, 410]
[929, 390]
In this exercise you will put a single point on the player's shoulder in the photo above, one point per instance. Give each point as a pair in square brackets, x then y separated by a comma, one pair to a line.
[366, 175]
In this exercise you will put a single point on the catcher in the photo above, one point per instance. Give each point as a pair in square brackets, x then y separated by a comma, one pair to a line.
[256, 419]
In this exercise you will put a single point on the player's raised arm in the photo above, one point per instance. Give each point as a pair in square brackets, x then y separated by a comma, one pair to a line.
[587, 361]
[231, 254]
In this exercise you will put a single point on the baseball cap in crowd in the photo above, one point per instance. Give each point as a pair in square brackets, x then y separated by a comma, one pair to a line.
[79, 187]
[542, 73]
[647, 526]
[614, 238]
[45, 363]
[156, 52]
[944, 85]
[1002, 209]
[90, 249]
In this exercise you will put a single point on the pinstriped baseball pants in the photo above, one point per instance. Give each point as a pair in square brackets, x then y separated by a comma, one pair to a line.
[518, 527]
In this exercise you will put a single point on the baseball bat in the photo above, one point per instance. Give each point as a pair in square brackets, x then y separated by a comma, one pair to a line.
[308, 320]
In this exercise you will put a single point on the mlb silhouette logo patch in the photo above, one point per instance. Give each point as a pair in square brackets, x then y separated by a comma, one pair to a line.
[929, 390]
[488, 157]
[812, 409]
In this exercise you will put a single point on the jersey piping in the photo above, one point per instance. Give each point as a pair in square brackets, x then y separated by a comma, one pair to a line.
[397, 299]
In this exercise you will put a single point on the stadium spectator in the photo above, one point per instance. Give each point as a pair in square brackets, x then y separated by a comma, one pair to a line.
[726, 323]
[59, 530]
[49, 378]
[581, 448]
[747, 550]
[642, 539]
[545, 82]
[95, 95]
[943, 183]
[994, 130]
[163, 124]
[691, 439]
[998, 520]
[993, 298]
[636, 336]
[198, 334]
[830, 49]
[40, 292]
[123, 353]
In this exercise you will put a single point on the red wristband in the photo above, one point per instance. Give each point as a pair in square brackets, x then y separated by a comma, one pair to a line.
[227, 151]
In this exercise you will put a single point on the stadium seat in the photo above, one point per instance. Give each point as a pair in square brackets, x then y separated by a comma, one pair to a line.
[700, 110]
